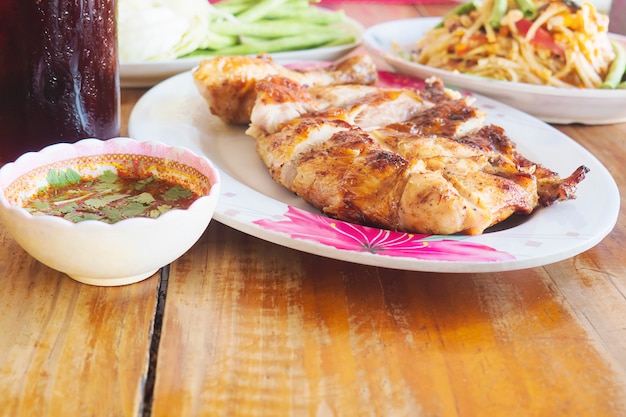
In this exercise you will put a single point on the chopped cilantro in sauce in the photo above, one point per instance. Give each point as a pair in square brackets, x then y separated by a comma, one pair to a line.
[109, 197]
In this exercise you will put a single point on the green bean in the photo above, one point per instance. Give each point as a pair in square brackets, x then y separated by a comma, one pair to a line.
[231, 7]
[252, 26]
[617, 68]
[497, 12]
[287, 8]
[268, 29]
[289, 43]
[307, 14]
[217, 41]
[259, 10]
[461, 9]
[288, 11]
[340, 41]
[528, 8]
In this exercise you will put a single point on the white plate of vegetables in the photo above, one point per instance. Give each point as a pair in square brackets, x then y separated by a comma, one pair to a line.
[158, 39]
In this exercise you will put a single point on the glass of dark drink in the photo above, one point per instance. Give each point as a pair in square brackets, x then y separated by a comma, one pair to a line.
[59, 73]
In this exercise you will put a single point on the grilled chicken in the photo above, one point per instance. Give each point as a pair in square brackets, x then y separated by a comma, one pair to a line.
[420, 161]
[227, 82]
[280, 99]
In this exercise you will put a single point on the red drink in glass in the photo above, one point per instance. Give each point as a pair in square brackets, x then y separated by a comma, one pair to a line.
[59, 75]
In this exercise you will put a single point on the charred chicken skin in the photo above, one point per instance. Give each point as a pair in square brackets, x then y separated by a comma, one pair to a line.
[228, 82]
[420, 161]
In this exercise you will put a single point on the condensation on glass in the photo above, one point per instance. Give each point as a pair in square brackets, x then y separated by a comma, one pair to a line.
[59, 73]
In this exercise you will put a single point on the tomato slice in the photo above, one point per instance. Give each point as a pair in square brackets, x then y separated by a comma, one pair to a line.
[542, 37]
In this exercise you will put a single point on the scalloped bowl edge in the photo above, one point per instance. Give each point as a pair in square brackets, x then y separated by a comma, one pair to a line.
[98, 253]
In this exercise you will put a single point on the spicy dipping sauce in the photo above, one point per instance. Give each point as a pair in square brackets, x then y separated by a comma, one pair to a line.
[110, 197]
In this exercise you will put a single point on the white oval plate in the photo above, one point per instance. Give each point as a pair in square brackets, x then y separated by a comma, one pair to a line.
[147, 74]
[550, 104]
[173, 112]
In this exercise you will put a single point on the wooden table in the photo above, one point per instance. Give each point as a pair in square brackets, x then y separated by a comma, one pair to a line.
[242, 327]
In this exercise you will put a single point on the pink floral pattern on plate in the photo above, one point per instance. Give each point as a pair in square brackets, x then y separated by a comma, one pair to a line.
[300, 224]
[393, 79]
[397, 80]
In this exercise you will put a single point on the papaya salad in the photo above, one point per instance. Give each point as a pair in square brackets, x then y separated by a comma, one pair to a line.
[558, 43]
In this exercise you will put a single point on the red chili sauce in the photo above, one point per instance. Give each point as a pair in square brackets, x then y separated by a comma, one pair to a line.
[109, 198]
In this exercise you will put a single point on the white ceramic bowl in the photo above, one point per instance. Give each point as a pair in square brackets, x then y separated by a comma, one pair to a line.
[95, 252]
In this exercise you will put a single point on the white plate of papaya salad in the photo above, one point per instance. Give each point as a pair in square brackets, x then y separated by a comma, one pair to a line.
[554, 60]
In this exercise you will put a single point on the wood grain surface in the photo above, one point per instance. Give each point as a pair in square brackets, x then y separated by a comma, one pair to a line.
[242, 327]
[69, 349]
[252, 328]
